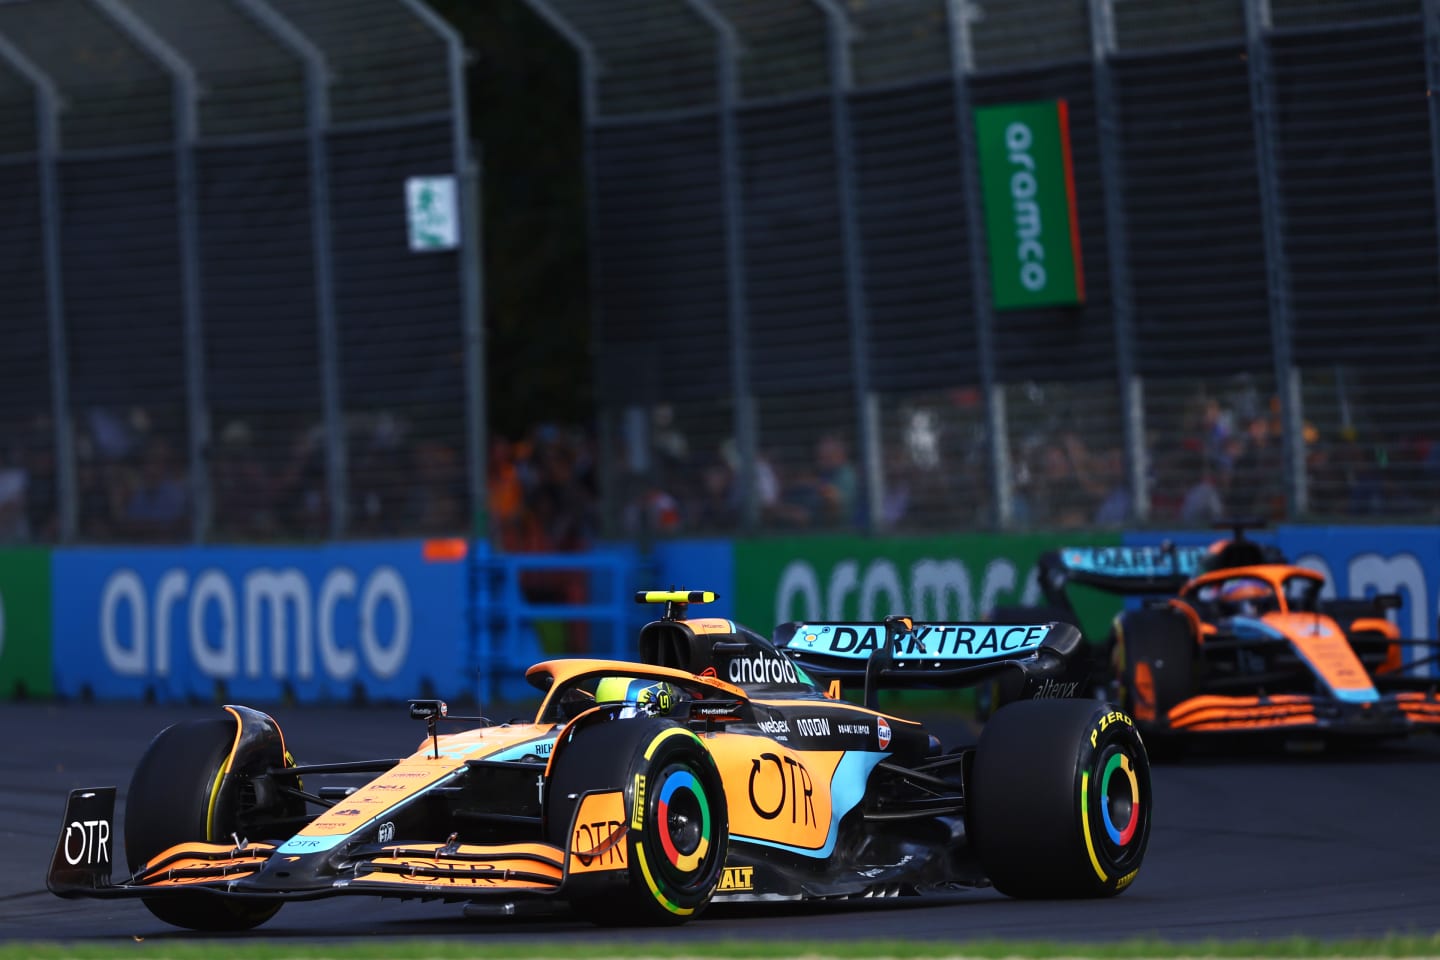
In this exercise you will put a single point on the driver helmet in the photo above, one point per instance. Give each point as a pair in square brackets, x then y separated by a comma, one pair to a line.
[655, 698]
[1245, 597]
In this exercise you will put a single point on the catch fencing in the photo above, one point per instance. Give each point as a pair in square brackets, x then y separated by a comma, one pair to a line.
[796, 323]
[240, 284]
[236, 297]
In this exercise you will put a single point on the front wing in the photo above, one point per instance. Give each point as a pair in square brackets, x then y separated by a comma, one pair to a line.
[82, 863]
[81, 866]
[1391, 715]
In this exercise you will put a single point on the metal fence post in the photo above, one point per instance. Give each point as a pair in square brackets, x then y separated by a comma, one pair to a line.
[187, 131]
[317, 123]
[471, 260]
[1277, 274]
[842, 83]
[728, 80]
[962, 60]
[477, 426]
[1117, 240]
[47, 114]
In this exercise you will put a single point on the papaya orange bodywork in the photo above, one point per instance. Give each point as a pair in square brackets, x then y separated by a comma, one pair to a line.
[1216, 712]
[1144, 706]
[522, 866]
[788, 791]
[600, 827]
[1325, 647]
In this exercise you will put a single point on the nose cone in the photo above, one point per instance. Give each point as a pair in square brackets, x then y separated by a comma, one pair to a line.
[290, 872]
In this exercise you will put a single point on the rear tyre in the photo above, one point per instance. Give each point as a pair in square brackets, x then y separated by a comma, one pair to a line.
[1060, 799]
[674, 857]
[174, 798]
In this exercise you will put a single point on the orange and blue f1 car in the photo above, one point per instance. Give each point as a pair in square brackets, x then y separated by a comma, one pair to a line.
[719, 766]
[1232, 638]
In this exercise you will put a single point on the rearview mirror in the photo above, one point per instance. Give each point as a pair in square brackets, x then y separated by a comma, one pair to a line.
[427, 709]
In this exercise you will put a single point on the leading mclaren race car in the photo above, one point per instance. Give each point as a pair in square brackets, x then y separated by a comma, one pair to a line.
[1233, 638]
[721, 766]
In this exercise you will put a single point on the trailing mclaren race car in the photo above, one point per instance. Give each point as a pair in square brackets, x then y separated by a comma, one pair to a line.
[1232, 638]
[721, 766]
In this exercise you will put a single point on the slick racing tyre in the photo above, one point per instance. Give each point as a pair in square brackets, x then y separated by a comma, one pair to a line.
[1059, 803]
[175, 797]
[676, 835]
[1153, 653]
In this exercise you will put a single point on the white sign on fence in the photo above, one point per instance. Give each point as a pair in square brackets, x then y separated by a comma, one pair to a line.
[433, 209]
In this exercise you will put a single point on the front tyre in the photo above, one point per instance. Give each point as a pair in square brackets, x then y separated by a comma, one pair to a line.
[1060, 800]
[1153, 653]
[677, 833]
[177, 796]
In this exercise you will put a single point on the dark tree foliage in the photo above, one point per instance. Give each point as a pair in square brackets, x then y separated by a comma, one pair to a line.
[526, 123]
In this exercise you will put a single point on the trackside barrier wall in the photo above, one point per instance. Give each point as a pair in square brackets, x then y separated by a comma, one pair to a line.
[590, 596]
[326, 622]
[700, 565]
[25, 656]
[396, 620]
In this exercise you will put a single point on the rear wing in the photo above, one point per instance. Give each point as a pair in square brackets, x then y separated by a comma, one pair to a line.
[897, 653]
[1128, 571]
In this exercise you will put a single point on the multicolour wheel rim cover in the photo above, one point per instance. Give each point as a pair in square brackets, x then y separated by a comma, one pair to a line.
[1120, 836]
[676, 781]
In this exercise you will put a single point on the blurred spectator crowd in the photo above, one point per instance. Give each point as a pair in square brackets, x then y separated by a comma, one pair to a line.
[1219, 456]
[268, 481]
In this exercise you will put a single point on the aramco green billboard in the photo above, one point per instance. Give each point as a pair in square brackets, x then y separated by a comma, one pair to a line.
[25, 646]
[1027, 180]
[940, 578]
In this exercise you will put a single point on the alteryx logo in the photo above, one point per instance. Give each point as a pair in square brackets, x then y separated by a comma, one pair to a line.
[265, 623]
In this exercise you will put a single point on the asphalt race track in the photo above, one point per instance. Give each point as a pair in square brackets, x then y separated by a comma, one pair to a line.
[1267, 845]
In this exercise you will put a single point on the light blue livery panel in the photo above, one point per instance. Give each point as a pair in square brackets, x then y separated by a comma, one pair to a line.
[937, 641]
[1138, 562]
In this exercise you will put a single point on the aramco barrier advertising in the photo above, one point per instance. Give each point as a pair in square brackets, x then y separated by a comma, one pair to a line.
[328, 622]
[1027, 179]
[25, 655]
[261, 624]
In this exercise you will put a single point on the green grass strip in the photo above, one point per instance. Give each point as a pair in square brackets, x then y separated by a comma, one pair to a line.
[468, 949]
